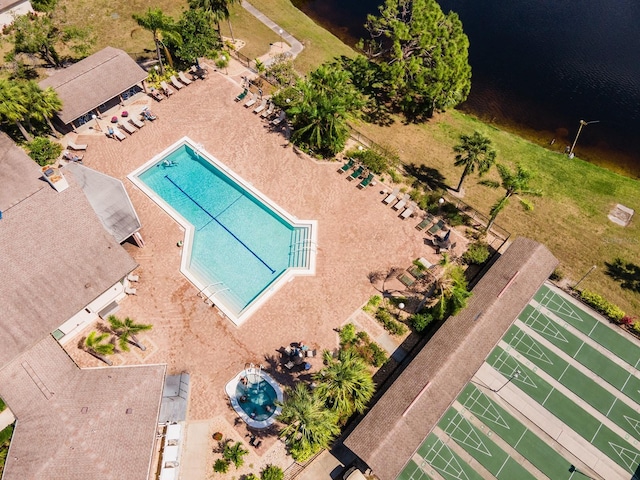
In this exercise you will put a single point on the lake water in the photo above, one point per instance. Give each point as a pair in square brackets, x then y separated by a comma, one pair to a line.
[541, 65]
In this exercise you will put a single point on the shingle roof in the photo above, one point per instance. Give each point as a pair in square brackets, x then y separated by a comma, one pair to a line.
[93, 81]
[398, 423]
[75, 424]
[19, 175]
[57, 258]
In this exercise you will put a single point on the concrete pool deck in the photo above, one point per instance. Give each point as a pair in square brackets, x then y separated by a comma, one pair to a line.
[357, 234]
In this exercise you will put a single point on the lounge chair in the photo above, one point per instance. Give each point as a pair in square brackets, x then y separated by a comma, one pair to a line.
[261, 107]
[76, 146]
[71, 157]
[133, 278]
[130, 129]
[252, 100]
[165, 88]
[356, 173]
[130, 291]
[241, 96]
[175, 82]
[408, 211]
[135, 122]
[436, 227]
[401, 204]
[155, 94]
[425, 222]
[269, 111]
[406, 280]
[346, 166]
[392, 196]
[148, 114]
[183, 78]
[115, 133]
[280, 118]
[366, 181]
[419, 267]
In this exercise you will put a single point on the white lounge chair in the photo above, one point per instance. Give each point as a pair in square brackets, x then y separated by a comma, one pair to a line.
[260, 107]
[130, 291]
[136, 122]
[401, 204]
[392, 196]
[408, 211]
[133, 278]
[165, 88]
[130, 129]
[76, 146]
[280, 118]
[183, 78]
[252, 100]
[175, 82]
[115, 133]
[269, 111]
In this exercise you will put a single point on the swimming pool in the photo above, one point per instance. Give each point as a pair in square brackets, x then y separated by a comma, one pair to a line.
[239, 246]
[255, 396]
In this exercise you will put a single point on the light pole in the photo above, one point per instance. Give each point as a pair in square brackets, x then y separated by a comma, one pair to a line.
[575, 287]
[280, 32]
[516, 373]
[582, 124]
[97, 123]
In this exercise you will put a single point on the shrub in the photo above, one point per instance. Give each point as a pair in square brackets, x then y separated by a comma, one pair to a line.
[250, 476]
[372, 304]
[347, 334]
[420, 321]
[454, 216]
[217, 436]
[602, 305]
[476, 254]
[392, 326]
[636, 326]
[626, 320]
[272, 472]
[234, 453]
[374, 161]
[2, 405]
[221, 466]
[557, 275]
[379, 356]
[395, 301]
[43, 150]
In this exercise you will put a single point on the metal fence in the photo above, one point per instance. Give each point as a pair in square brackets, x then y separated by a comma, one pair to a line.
[498, 235]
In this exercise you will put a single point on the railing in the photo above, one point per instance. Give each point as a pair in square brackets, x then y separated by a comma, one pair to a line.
[296, 468]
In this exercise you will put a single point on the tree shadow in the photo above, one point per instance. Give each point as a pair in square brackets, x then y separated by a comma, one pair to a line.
[427, 175]
[625, 273]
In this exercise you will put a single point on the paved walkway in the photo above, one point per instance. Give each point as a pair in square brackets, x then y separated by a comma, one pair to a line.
[6, 418]
[296, 46]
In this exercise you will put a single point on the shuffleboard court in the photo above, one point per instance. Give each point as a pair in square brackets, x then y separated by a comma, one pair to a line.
[445, 461]
[413, 472]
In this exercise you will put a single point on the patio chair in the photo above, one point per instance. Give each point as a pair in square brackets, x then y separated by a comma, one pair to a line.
[406, 280]
[356, 173]
[155, 94]
[401, 204]
[289, 365]
[280, 119]
[408, 211]
[346, 166]
[130, 291]
[71, 157]
[436, 227]
[130, 129]
[252, 100]
[183, 78]
[175, 82]
[165, 88]
[261, 107]
[366, 181]
[136, 122]
[392, 196]
[269, 111]
[133, 278]
[115, 133]
[425, 222]
[241, 96]
[76, 146]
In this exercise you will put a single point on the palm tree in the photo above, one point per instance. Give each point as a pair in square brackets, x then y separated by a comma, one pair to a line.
[161, 26]
[217, 9]
[126, 330]
[96, 346]
[451, 288]
[514, 183]
[42, 104]
[345, 384]
[473, 151]
[310, 426]
[234, 453]
[12, 106]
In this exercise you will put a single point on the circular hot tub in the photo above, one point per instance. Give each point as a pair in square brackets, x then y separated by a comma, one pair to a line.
[253, 395]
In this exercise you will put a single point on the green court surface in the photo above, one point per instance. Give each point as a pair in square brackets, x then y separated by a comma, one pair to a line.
[555, 365]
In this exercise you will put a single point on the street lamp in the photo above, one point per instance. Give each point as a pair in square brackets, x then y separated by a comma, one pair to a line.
[573, 469]
[280, 32]
[96, 120]
[516, 373]
[575, 287]
[582, 124]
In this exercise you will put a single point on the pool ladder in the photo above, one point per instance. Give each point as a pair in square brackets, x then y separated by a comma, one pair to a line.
[251, 369]
[207, 298]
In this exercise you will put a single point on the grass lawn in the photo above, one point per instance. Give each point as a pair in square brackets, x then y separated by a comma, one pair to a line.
[570, 218]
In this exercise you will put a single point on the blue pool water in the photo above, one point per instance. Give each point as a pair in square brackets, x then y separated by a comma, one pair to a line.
[239, 244]
[256, 399]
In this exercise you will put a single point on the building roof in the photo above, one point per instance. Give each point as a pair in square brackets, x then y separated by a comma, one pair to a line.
[86, 85]
[404, 415]
[20, 176]
[109, 200]
[79, 424]
[57, 257]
